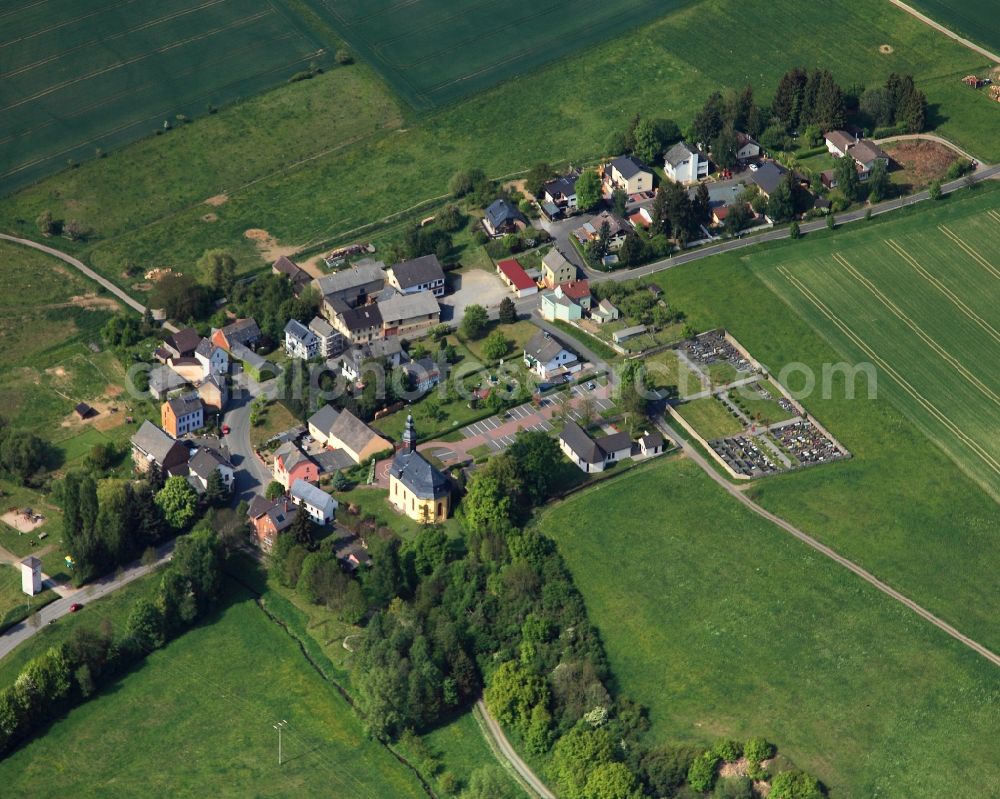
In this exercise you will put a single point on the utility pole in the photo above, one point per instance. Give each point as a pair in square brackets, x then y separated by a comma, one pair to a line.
[279, 727]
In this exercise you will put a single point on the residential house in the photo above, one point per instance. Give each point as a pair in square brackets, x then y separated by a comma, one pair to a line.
[353, 286]
[556, 269]
[257, 366]
[420, 274]
[556, 305]
[548, 357]
[618, 229]
[152, 444]
[269, 519]
[183, 343]
[604, 312]
[330, 341]
[297, 276]
[352, 553]
[182, 415]
[561, 194]
[641, 219]
[838, 142]
[409, 315]
[214, 360]
[300, 341]
[503, 217]
[422, 374]
[866, 154]
[356, 438]
[650, 444]
[628, 174]
[768, 177]
[517, 280]
[389, 350]
[685, 164]
[321, 422]
[746, 148]
[416, 488]
[214, 393]
[243, 332]
[360, 325]
[593, 455]
[291, 464]
[163, 381]
[320, 506]
[578, 291]
[206, 461]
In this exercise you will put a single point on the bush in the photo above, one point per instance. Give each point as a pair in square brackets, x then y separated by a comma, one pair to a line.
[795, 785]
[733, 788]
[344, 57]
[701, 774]
[757, 749]
[730, 751]
[934, 190]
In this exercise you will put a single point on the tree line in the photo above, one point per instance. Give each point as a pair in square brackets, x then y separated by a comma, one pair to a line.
[70, 673]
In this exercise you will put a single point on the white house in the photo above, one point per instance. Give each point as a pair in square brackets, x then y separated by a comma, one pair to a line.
[746, 147]
[421, 274]
[548, 357]
[320, 506]
[205, 461]
[684, 163]
[300, 341]
[330, 341]
[838, 142]
[214, 360]
[593, 455]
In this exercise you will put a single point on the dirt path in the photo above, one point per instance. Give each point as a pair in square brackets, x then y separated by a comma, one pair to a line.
[949, 33]
[510, 754]
[865, 575]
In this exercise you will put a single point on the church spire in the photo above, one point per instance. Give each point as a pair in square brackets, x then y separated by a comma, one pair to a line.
[410, 436]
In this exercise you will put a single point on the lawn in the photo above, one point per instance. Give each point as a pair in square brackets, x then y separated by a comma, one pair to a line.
[900, 506]
[976, 20]
[83, 75]
[725, 626]
[665, 369]
[146, 202]
[710, 418]
[752, 403]
[374, 502]
[14, 603]
[274, 419]
[516, 334]
[197, 716]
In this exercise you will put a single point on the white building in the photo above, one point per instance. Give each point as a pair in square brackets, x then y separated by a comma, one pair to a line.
[320, 506]
[31, 575]
[548, 357]
[300, 341]
[685, 164]
[330, 341]
[214, 360]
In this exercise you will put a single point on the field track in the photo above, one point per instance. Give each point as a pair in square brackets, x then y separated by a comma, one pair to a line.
[986, 13]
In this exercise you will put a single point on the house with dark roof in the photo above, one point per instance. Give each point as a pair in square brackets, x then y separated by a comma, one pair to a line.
[214, 360]
[422, 374]
[560, 193]
[359, 325]
[420, 274]
[627, 173]
[182, 415]
[353, 286]
[270, 518]
[503, 217]
[390, 350]
[416, 488]
[684, 163]
[768, 177]
[243, 332]
[866, 154]
[352, 552]
[320, 506]
[618, 229]
[183, 343]
[649, 444]
[152, 444]
[409, 315]
[206, 461]
[746, 147]
[516, 279]
[548, 357]
[321, 422]
[291, 464]
[593, 454]
[296, 275]
[300, 341]
[356, 438]
[163, 381]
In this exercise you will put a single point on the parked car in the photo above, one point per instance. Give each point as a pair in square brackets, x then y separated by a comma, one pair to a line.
[75, 607]
[225, 429]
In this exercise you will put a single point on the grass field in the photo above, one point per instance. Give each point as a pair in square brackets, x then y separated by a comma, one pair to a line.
[900, 506]
[976, 20]
[197, 717]
[917, 301]
[710, 418]
[85, 74]
[725, 626]
[342, 131]
[431, 52]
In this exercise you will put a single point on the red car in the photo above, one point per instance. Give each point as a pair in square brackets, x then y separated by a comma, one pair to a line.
[225, 429]
[75, 607]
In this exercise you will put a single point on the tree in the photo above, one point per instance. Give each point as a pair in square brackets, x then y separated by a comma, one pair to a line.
[619, 201]
[665, 768]
[274, 490]
[22, 454]
[197, 559]
[344, 57]
[496, 346]
[831, 222]
[724, 148]
[46, 225]
[216, 493]
[508, 311]
[934, 190]
[474, 322]
[303, 529]
[781, 203]
[660, 213]
[486, 506]
[847, 177]
[385, 579]
[487, 782]
[220, 267]
[465, 182]
[632, 250]
[701, 774]
[588, 190]
[178, 502]
[878, 182]
[537, 177]
[576, 754]
[181, 296]
[795, 785]
[535, 457]
[653, 136]
[512, 693]
[144, 627]
[787, 102]
[708, 122]
[702, 204]
[612, 781]
[429, 549]
[176, 602]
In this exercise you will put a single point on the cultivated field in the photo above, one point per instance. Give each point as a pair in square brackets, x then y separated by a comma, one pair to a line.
[976, 20]
[725, 626]
[918, 302]
[196, 718]
[433, 52]
[85, 74]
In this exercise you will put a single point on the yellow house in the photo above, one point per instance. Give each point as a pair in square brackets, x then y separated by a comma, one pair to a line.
[556, 269]
[416, 488]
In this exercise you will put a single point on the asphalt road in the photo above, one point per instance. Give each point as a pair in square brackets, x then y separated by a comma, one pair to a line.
[252, 475]
[22, 631]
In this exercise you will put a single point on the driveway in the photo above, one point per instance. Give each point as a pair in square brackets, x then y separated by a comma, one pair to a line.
[472, 287]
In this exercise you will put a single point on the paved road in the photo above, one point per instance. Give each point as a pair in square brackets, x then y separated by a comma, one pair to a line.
[510, 754]
[949, 33]
[253, 476]
[690, 451]
[21, 632]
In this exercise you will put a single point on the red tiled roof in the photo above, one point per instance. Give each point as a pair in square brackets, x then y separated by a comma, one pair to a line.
[515, 273]
[576, 289]
[638, 219]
